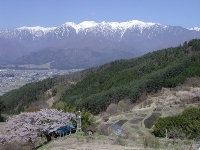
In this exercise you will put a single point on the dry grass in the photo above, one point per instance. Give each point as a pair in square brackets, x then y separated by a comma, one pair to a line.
[136, 120]
[84, 144]
[16, 146]
[2, 125]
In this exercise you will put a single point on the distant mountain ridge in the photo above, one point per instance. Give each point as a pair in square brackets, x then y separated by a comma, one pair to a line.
[139, 36]
[9, 50]
[88, 52]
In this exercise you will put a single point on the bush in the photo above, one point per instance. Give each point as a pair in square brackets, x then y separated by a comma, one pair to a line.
[105, 117]
[188, 122]
[112, 109]
[120, 141]
[104, 130]
[174, 134]
[2, 119]
[151, 141]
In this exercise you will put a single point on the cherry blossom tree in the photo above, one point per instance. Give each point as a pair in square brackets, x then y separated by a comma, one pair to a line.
[29, 126]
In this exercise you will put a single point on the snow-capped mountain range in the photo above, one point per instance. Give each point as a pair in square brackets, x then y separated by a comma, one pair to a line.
[195, 28]
[138, 37]
[91, 25]
[87, 26]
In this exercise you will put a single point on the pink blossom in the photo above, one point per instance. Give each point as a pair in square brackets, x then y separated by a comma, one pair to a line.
[28, 126]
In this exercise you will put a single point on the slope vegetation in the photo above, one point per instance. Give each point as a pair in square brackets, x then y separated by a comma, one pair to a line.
[96, 88]
[132, 78]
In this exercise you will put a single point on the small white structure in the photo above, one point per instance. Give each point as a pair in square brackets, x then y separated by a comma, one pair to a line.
[78, 129]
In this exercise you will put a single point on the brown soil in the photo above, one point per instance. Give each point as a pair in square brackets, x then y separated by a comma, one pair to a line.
[150, 121]
[121, 122]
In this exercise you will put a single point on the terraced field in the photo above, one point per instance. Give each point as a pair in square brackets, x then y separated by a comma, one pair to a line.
[136, 123]
[141, 118]
[150, 121]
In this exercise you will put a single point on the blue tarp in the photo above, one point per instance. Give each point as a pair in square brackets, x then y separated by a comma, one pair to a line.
[63, 130]
[117, 129]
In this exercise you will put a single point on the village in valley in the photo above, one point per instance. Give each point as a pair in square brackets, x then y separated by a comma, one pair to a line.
[13, 79]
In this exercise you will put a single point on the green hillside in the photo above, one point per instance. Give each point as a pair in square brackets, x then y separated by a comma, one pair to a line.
[130, 78]
[96, 88]
[186, 123]
[19, 99]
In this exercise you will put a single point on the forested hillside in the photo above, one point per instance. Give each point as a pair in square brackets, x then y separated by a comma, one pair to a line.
[130, 78]
[19, 99]
[96, 88]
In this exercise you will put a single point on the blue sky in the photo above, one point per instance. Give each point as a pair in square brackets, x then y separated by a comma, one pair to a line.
[51, 13]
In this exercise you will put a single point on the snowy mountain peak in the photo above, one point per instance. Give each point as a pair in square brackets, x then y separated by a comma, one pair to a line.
[113, 25]
[141, 24]
[132, 23]
[88, 24]
[195, 28]
[37, 28]
[83, 25]
[37, 31]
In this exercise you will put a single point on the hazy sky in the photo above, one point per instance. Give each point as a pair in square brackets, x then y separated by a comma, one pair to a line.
[51, 13]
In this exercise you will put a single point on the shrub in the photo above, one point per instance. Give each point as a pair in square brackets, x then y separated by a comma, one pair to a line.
[112, 109]
[104, 130]
[120, 141]
[105, 117]
[150, 141]
[187, 122]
